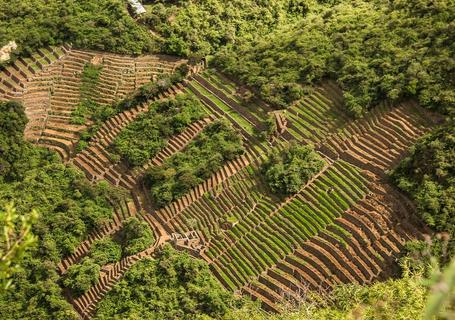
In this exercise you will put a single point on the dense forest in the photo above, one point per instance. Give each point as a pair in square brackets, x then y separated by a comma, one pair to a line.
[69, 208]
[172, 286]
[218, 23]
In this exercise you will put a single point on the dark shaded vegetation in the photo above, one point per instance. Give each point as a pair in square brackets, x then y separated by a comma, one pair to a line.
[428, 176]
[69, 206]
[172, 286]
[101, 25]
[141, 140]
[215, 145]
[288, 170]
[375, 50]
[199, 28]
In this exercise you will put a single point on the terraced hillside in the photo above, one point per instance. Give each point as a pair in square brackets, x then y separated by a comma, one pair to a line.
[345, 225]
[251, 235]
[49, 85]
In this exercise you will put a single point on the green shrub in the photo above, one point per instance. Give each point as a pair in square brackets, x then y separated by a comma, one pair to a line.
[105, 251]
[286, 172]
[427, 174]
[147, 135]
[136, 236]
[172, 286]
[82, 276]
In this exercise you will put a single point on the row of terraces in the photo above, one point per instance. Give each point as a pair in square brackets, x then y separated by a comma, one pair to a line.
[53, 92]
[346, 225]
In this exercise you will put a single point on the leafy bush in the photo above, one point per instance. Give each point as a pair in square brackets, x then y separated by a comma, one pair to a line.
[286, 172]
[136, 236]
[82, 276]
[147, 135]
[105, 251]
[215, 145]
[13, 148]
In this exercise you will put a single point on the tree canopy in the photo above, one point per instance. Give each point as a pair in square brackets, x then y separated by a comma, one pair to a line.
[69, 207]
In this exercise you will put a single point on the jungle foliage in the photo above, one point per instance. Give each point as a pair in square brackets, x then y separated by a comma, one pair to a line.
[199, 28]
[134, 237]
[105, 251]
[172, 286]
[102, 25]
[216, 144]
[288, 170]
[141, 140]
[69, 207]
[375, 50]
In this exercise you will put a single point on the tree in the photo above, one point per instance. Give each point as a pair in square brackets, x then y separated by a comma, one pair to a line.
[136, 236]
[82, 276]
[105, 251]
[286, 172]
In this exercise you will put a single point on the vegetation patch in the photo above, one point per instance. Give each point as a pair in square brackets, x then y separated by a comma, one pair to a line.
[287, 171]
[218, 23]
[136, 236]
[172, 286]
[141, 140]
[100, 114]
[100, 25]
[82, 276]
[87, 107]
[215, 145]
[105, 251]
[428, 175]
[69, 206]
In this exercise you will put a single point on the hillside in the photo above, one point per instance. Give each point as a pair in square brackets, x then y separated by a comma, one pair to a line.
[251, 159]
